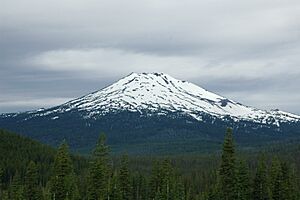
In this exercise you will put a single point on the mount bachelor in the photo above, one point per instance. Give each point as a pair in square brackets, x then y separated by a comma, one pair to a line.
[151, 113]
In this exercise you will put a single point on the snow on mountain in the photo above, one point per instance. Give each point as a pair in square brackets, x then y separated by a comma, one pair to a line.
[160, 93]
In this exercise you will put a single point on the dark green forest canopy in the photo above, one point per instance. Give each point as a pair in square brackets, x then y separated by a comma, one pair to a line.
[17, 151]
[28, 165]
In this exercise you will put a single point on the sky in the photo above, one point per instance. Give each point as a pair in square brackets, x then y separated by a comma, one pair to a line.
[52, 51]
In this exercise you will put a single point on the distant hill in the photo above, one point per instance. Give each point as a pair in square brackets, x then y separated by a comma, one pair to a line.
[17, 151]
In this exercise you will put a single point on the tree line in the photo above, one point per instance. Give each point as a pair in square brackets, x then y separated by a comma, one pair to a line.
[103, 179]
[277, 182]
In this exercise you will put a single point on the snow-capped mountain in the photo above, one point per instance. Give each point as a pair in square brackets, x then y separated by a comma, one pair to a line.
[160, 93]
[152, 110]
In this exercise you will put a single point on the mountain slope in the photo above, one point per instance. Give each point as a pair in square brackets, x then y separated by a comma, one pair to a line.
[160, 93]
[150, 108]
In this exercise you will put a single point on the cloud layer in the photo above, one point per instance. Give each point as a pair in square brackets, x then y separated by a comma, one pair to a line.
[57, 50]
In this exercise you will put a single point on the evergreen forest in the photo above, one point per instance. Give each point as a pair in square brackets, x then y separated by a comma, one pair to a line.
[30, 170]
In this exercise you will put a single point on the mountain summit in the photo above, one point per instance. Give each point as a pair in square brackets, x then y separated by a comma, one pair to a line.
[161, 94]
[150, 107]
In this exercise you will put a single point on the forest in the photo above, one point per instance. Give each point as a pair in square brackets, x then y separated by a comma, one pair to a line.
[30, 170]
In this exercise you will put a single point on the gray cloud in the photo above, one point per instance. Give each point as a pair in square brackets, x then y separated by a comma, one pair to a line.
[51, 51]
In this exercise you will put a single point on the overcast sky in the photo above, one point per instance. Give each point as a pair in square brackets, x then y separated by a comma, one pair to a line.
[55, 50]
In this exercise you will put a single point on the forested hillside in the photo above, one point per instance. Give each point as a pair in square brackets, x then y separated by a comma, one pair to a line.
[30, 170]
[16, 152]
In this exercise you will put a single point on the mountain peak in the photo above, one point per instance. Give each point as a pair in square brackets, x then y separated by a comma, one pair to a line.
[159, 93]
[151, 76]
[150, 108]
[148, 73]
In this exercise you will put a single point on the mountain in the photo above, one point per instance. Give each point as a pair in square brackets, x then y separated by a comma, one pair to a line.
[151, 112]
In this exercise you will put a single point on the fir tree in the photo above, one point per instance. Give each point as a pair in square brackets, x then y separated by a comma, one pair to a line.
[276, 184]
[99, 171]
[115, 192]
[124, 179]
[63, 183]
[261, 189]
[47, 191]
[286, 182]
[178, 193]
[295, 193]
[162, 182]
[166, 185]
[4, 195]
[1, 179]
[16, 188]
[32, 190]
[155, 180]
[213, 193]
[141, 188]
[242, 182]
[227, 170]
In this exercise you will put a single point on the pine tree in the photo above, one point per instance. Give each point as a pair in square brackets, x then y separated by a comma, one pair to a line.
[166, 175]
[276, 186]
[63, 183]
[261, 189]
[155, 180]
[213, 193]
[1, 184]
[32, 190]
[143, 188]
[16, 188]
[124, 179]
[227, 170]
[99, 171]
[286, 182]
[115, 192]
[243, 182]
[72, 188]
[294, 188]
[163, 182]
[4, 195]
[139, 187]
[178, 192]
